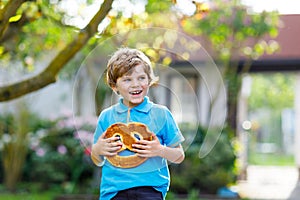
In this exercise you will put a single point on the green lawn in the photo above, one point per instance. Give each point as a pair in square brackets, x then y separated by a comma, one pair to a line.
[271, 159]
[27, 196]
[44, 196]
[30, 191]
[35, 191]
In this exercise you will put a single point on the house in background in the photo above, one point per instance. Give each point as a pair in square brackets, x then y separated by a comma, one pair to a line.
[286, 60]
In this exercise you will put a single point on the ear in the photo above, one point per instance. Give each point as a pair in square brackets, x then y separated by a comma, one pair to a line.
[115, 90]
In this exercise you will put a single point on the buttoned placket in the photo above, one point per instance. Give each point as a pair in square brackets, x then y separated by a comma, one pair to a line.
[128, 116]
[122, 109]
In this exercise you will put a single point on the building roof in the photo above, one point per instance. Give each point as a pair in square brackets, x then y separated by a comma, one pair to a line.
[288, 39]
[288, 57]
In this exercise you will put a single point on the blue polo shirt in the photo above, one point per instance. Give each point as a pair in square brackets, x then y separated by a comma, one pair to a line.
[154, 171]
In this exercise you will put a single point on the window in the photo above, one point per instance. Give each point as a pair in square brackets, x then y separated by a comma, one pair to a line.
[182, 97]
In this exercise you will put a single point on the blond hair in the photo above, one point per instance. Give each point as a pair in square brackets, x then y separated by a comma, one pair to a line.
[123, 61]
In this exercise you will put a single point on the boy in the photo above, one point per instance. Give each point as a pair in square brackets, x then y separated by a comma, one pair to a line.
[130, 75]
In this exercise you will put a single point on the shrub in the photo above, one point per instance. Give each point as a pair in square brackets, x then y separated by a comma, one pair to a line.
[207, 174]
[57, 151]
[60, 155]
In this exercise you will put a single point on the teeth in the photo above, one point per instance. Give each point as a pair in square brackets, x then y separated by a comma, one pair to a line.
[136, 92]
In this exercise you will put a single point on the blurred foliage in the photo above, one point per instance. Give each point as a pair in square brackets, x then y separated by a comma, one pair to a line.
[271, 97]
[233, 34]
[64, 163]
[154, 6]
[40, 31]
[56, 152]
[13, 142]
[228, 26]
[274, 91]
[45, 27]
[207, 174]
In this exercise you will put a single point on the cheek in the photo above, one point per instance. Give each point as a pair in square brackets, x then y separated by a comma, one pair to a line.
[145, 86]
[146, 83]
[121, 86]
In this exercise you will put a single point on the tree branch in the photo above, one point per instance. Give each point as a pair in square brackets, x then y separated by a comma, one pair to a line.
[7, 12]
[50, 73]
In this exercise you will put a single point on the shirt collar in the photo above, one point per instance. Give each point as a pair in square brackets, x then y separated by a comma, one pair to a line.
[145, 106]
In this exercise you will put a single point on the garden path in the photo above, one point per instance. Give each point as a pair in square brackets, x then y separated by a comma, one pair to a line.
[270, 183]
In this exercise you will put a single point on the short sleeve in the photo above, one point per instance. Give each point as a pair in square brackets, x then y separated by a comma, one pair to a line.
[98, 132]
[99, 128]
[172, 136]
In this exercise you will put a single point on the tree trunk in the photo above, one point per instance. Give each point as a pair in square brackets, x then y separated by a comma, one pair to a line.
[232, 113]
[234, 85]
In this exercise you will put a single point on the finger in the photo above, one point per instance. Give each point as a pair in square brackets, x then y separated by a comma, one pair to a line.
[109, 154]
[107, 146]
[154, 137]
[113, 139]
[111, 150]
[118, 143]
[114, 146]
[143, 142]
[102, 136]
[142, 153]
[114, 149]
[139, 146]
[139, 151]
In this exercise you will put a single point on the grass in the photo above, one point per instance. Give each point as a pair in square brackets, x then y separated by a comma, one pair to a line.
[268, 159]
[27, 196]
[37, 191]
[29, 191]
[49, 195]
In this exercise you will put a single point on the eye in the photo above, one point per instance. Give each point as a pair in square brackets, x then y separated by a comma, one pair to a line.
[126, 79]
[142, 78]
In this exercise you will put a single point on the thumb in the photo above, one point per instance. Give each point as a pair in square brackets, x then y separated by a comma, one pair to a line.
[154, 137]
[102, 136]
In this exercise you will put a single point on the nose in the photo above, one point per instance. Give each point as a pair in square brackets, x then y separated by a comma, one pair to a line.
[135, 83]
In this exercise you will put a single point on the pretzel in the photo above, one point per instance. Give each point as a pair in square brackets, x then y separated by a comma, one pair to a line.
[129, 134]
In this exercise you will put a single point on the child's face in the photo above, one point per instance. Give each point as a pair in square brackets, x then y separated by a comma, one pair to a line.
[134, 87]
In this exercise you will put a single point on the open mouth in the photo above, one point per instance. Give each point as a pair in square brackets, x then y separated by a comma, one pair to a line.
[137, 92]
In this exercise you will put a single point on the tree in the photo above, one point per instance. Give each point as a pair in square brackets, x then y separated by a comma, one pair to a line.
[233, 34]
[23, 27]
[9, 14]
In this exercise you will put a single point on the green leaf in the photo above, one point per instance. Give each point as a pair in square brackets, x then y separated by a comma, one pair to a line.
[15, 18]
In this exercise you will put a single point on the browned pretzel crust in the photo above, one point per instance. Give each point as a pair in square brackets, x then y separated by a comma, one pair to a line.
[129, 134]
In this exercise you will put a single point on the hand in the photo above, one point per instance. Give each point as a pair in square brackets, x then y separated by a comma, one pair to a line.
[145, 148]
[107, 146]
